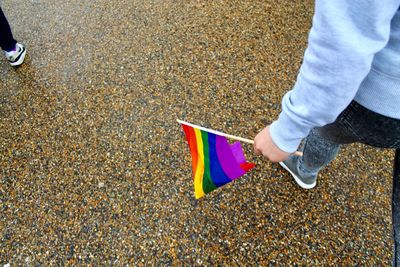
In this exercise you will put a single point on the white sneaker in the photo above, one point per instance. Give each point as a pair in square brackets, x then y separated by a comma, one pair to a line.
[16, 57]
[307, 181]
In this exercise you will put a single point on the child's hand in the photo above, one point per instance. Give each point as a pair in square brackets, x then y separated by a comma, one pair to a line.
[264, 145]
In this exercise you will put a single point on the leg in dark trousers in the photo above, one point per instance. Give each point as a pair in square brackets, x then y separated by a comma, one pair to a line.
[396, 209]
[356, 124]
[7, 42]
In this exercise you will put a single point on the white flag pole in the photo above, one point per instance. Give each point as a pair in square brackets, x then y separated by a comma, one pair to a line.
[298, 153]
[216, 132]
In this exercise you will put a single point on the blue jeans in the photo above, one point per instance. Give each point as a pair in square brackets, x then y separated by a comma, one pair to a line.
[356, 124]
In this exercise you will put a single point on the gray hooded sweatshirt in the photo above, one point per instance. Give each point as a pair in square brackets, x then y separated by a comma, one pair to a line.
[353, 53]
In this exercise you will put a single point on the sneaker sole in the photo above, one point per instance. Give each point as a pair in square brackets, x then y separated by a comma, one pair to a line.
[20, 60]
[298, 181]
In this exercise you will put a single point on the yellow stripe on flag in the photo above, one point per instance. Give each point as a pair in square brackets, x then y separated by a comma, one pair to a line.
[198, 178]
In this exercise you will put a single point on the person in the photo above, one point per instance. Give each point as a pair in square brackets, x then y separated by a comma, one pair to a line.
[14, 51]
[347, 90]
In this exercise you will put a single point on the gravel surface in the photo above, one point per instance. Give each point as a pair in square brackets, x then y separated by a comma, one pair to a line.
[94, 169]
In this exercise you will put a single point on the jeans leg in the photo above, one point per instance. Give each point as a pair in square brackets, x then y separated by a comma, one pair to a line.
[7, 42]
[322, 144]
[396, 209]
[317, 153]
[356, 124]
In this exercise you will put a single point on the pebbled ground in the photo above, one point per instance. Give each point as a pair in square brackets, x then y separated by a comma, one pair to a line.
[94, 169]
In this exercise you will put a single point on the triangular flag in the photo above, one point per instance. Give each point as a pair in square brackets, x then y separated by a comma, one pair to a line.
[215, 162]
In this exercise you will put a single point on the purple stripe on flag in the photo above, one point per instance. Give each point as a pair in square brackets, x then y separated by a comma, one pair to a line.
[238, 152]
[227, 160]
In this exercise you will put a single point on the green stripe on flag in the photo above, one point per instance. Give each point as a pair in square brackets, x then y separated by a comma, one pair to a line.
[208, 184]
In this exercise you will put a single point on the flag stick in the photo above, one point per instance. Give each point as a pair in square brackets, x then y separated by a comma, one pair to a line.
[298, 153]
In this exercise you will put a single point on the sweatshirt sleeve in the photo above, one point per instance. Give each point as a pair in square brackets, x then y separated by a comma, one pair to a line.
[342, 42]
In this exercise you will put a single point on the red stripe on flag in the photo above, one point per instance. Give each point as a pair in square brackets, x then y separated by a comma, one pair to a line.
[191, 138]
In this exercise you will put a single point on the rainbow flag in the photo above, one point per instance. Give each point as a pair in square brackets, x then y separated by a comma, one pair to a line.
[215, 162]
